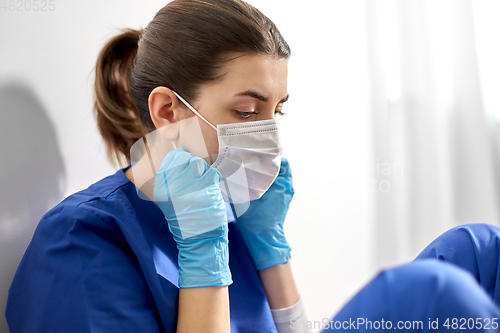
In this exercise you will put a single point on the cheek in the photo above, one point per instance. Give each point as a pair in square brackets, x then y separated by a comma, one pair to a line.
[213, 147]
[198, 138]
[211, 142]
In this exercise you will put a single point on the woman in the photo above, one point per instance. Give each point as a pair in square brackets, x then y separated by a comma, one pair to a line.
[139, 253]
[105, 259]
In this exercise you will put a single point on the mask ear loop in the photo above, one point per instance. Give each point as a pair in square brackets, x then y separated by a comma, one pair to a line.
[192, 109]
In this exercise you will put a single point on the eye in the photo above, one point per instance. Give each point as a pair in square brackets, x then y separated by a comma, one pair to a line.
[279, 112]
[245, 115]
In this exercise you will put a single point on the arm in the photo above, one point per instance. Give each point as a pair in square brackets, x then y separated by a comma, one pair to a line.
[279, 286]
[261, 228]
[204, 309]
[284, 299]
[186, 190]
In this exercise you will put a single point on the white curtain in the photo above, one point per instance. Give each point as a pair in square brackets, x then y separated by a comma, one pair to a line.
[435, 162]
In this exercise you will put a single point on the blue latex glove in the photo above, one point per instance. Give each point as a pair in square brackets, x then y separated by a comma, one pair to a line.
[261, 226]
[187, 191]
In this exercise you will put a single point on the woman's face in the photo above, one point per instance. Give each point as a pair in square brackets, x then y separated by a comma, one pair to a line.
[254, 87]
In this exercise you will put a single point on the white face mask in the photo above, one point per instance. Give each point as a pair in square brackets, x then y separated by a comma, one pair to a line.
[249, 157]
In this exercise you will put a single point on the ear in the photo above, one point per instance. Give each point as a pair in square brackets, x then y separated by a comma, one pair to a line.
[165, 109]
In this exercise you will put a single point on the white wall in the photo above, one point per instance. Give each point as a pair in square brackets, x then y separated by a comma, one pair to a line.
[50, 146]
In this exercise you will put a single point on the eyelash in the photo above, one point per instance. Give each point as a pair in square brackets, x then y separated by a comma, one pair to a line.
[247, 115]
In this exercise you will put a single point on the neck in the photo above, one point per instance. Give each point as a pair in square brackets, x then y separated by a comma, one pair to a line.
[143, 173]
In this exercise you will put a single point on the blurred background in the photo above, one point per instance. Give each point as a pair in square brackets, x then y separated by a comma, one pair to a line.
[392, 130]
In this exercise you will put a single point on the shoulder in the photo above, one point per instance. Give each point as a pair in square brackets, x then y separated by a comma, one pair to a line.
[99, 207]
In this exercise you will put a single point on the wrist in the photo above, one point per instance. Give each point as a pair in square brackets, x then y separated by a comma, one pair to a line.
[272, 257]
[267, 247]
[204, 263]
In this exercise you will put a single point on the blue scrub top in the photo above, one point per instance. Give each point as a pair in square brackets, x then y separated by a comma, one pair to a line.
[103, 260]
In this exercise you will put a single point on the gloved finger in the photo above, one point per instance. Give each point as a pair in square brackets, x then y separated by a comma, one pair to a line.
[175, 161]
[175, 157]
[170, 163]
[161, 191]
[199, 213]
[283, 182]
[196, 175]
[284, 162]
[185, 173]
[285, 170]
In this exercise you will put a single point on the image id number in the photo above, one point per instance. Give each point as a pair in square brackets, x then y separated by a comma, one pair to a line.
[471, 323]
[28, 5]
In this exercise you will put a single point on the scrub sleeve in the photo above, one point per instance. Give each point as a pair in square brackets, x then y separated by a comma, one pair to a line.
[452, 286]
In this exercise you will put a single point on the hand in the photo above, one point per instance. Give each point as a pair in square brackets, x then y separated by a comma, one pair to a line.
[261, 226]
[187, 191]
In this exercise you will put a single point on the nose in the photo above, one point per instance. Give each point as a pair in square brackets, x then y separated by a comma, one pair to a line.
[267, 114]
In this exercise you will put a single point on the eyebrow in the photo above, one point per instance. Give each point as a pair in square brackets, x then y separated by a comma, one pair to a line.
[259, 96]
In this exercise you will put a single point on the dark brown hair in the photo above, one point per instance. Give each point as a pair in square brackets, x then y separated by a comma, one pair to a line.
[182, 48]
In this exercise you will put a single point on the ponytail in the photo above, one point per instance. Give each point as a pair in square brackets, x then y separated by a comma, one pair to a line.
[116, 113]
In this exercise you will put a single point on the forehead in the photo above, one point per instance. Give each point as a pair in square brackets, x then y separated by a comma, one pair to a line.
[263, 73]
